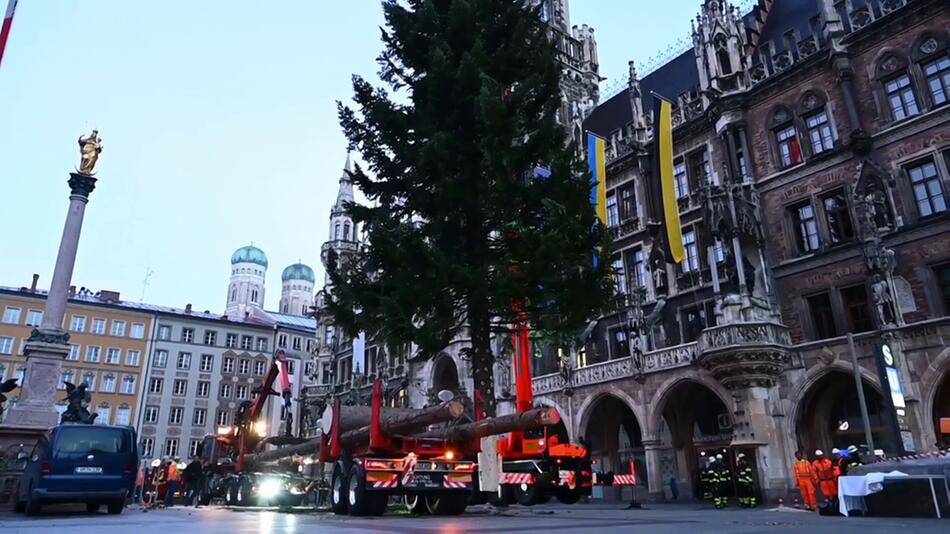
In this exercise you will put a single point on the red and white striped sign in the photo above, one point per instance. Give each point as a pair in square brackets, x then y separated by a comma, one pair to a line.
[517, 478]
[409, 468]
[391, 483]
[5, 29]
[452, 484]
[625, 480]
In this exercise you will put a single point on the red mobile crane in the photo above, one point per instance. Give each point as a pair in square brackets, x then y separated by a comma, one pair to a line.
[223, 454]
[536, 465]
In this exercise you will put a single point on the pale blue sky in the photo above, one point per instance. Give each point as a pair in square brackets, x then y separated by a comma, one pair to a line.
[219, 123]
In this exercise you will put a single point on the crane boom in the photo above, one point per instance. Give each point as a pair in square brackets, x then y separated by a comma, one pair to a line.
[244, 432]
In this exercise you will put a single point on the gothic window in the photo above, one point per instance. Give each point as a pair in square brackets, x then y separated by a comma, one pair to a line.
[233, 293]
[856, 308]
[722, 55]
[837, 217]
[819, 132]
[822, 316]
[932, 54]
[619, 280]
[613, 217]
[690, 246]
[805, 227]
[928, 191]
[680, 180]
[787, 146]
[254, 295]
[628, 203]
[336, 231]
[638, 272]
[900, 96]
[346, 231]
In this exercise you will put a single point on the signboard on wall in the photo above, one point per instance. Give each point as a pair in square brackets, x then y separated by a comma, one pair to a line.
[896, 404]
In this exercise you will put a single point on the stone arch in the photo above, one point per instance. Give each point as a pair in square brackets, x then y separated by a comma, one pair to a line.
[827, 393]
[613, 435]
[935, 378]
[584, 411]
[670, 385]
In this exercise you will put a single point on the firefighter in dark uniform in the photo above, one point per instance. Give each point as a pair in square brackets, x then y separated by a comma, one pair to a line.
[745, 484]
[706, 479]
[853, 460]
[721, 478]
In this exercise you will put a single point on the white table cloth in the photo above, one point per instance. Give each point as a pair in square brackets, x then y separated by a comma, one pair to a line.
[853, 489]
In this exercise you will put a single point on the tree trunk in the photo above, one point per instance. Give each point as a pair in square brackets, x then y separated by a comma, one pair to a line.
[355, 416]
[530, 420]
[303, 449]
[356, 419]
[479, 323]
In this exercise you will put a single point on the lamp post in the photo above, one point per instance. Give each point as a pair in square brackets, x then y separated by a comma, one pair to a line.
[48, 345]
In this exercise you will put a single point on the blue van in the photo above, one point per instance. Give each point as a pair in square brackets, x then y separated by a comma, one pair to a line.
[91, 464]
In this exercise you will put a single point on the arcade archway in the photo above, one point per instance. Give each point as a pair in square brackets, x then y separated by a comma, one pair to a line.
[614, 439]
[445, 376]
[695, 423]
[829, 416]
[941, 410]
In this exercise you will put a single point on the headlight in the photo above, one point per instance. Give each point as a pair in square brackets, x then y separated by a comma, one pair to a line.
[269, 488]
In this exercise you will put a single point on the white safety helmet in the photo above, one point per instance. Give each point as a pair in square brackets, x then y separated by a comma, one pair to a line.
[836, 450]
[819, 453]
[719, 457]
[740, 456]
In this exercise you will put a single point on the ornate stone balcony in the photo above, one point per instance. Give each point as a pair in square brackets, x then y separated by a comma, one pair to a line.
[746, 354]
[653, 362]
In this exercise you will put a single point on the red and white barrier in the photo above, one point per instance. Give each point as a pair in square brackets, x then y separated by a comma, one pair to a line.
[391, 483]
[625, 480]
[517, 478]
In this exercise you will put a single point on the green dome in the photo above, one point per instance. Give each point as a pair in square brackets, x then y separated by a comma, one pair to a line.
[249, 254]
[297, 271]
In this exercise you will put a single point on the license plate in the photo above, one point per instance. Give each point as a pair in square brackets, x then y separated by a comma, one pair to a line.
[86, 470]
[427, 480]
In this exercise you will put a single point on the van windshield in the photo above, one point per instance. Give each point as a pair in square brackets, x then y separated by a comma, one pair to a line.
[85, 439]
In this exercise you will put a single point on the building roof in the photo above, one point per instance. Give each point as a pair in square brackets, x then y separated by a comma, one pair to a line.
[249, 254]
[298, 271]
[674, 78]
[293, 321]
[680, 75]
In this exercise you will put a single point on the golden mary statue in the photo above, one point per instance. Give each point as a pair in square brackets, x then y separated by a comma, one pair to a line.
[89, 148]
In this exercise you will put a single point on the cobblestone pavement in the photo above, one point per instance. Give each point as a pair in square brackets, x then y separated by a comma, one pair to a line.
[600, 518]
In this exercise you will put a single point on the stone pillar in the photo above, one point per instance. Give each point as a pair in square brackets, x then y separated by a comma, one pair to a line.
[654, 463]
[755, 426]
[48, 345]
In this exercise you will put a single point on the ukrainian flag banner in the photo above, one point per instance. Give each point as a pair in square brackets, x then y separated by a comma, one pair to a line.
[663, 177]
[598, 173]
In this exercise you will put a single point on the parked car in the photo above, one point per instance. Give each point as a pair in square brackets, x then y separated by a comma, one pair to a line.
[91, 464]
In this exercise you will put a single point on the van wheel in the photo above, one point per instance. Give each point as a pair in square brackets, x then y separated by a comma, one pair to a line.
[92, 508]
[338, 490]
[115, 507]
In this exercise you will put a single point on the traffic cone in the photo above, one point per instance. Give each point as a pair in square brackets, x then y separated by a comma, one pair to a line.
[798, 504]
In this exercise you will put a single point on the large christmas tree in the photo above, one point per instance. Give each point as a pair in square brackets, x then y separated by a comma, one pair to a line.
[476, 201]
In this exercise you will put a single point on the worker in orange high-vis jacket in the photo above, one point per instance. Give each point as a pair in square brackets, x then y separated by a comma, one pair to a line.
[825, 471]
[805, 479]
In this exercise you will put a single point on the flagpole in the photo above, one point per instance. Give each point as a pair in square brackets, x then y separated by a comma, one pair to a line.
[5, 30]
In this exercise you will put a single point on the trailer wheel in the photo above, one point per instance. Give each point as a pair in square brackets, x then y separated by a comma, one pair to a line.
[503, 497]
[527, 494]
[568, 496]
[230, 492]
[361, 501]
[338, 499]
[416, 504]
[447, 503]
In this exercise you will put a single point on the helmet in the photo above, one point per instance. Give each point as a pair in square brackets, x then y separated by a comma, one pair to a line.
[719, 457]
[836, 450]
[819, 453]
[852, 448]
[740, 456]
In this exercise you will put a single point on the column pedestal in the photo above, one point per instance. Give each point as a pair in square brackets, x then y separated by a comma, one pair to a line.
[651, 450]
[44, 367]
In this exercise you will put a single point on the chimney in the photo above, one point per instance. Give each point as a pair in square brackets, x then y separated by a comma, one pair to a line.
[36, 278]
[109, 296]
[187, 308]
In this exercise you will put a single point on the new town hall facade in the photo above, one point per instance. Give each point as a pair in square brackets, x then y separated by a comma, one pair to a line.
[812, 169]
